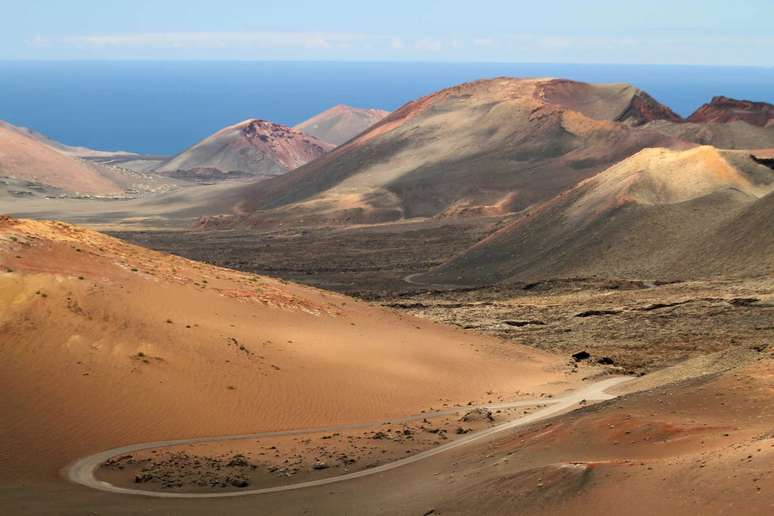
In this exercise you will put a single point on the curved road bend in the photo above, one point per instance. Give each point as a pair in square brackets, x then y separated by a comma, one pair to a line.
[82, 470]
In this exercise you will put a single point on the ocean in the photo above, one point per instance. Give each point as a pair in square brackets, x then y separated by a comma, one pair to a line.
[163, 107]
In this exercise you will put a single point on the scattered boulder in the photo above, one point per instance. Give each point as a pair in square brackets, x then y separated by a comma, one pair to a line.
[581, 355]
[479, 414]
[238, 461]
[605, 361]
[320, 465]
[238, 482]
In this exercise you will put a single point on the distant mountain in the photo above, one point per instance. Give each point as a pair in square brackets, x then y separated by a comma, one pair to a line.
[250, 148]
[341, 123]
[724, 109]
[28, 156]
[75, 151]
[658, 214]
[486, 147]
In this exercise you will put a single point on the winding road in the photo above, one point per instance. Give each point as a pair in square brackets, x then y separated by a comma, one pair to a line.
[82, 470]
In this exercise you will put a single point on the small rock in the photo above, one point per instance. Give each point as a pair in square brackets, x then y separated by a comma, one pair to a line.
[479, 414]
[238, 461]
[581, 355]
[238, 482]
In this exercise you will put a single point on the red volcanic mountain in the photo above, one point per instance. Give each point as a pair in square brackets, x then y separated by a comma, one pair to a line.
[724, 109]
[249, 148]
[490, 146]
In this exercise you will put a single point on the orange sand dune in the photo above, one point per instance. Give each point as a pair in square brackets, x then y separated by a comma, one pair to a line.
[104, 343]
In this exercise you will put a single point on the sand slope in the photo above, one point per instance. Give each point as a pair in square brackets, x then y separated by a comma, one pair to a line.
[105, 343]
[660, 213]
[340, 123]
[491, 146]
[252, 147]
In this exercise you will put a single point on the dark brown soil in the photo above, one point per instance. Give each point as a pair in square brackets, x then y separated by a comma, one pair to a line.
[640, 325]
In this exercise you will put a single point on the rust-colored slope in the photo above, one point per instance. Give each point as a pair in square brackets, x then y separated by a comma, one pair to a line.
[724, 109]
[699, 446]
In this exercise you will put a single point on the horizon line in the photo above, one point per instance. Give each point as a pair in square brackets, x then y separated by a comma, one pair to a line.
[375, 61]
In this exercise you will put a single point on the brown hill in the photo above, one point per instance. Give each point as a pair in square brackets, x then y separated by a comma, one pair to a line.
[249, 148]
[340, 123]
[659, 214]
[136, 346]
[70, 150]
[724, 109]
[25, 157]
[488, 146]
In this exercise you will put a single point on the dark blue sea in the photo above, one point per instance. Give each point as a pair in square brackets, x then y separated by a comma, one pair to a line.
[163, 107]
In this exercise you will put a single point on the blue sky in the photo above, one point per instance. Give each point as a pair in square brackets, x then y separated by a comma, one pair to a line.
[564, 31]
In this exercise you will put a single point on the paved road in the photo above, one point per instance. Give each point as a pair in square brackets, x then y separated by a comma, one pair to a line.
[82, 471]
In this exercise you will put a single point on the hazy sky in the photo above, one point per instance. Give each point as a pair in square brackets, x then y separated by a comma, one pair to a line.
[567, 31]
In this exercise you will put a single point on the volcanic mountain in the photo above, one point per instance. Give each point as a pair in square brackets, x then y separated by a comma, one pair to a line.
[658, 214]
[249, 148]
[725, 123]
[70, 150]
[723, 109]
[340, 123]
[491, 146]
[105, 343]
[25, 156]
